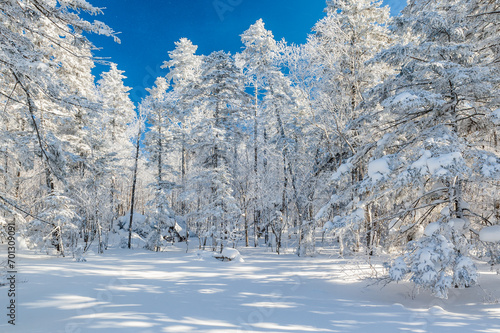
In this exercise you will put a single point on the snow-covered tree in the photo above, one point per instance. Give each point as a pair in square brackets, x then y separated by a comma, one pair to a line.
[160, 107]
[48, 93]
[118, 114]
[220, 99]
[256, 60]
[345, 40]
[178, 107]
[432, 150]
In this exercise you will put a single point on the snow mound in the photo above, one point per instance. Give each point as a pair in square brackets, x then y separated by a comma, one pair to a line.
[136, 241]
[21, 244]
[229, 254]
[378, 169]
[438, 165]
[398, 307]
[437, 310]
[204, 255]
[490, 165]
[398, 269]
[490, 234]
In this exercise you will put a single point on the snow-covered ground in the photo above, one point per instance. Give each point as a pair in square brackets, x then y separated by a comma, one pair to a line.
[174, 291]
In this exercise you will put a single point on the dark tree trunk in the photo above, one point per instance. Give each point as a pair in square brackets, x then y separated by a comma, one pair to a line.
[134, 182]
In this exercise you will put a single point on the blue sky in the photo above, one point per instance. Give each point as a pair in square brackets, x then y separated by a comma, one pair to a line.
[148, 29]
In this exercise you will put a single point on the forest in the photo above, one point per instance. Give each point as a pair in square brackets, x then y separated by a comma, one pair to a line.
[379, 135]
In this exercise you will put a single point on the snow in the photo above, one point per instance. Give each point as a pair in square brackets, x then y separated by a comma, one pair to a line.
[120, 239]
[439, 165]
[445, 211]
[496, 116]
[231, 254]
[490, 234]
[490, 166]
[422, 161]
[137, 291]
[138, 219]
[321, 212]
[378, 169]
[431, 228]
[404, 98]
[386, 138]
[398, 270]
[344, 168]
[328, 226]
[42, 66]
[457, 224]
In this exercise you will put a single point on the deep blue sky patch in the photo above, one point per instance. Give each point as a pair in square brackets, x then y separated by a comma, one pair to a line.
[148, 29]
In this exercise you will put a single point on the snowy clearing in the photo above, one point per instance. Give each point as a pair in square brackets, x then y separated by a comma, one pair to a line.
[174, 291]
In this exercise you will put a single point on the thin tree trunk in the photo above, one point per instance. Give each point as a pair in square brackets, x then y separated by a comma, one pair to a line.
[256, 215]
[256, 101]
[134, 181]
[369, 230]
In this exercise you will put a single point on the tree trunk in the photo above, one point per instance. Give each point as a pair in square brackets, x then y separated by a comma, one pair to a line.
[134, 182]
[369, 230]
[246, 228]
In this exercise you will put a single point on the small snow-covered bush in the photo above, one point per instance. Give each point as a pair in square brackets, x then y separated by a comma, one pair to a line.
[398, 270]
[79, 254]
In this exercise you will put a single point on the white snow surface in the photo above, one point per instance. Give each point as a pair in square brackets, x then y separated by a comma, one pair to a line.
[490, 234]
[137, 291]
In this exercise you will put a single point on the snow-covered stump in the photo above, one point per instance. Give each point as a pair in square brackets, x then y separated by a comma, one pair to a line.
[229, 254]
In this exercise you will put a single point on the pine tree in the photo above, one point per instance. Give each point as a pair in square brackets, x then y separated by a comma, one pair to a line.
[118, 114]
[221, 97]
[256, 60]
[159, 106]
[184, 73]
